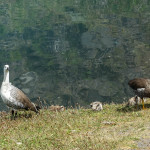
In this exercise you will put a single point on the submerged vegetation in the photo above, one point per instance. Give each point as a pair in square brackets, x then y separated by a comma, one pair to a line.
[114, 128]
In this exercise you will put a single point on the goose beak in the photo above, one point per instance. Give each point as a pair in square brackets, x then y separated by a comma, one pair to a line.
[7, 69]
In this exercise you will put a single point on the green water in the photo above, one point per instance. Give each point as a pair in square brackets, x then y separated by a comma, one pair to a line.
[75, 51]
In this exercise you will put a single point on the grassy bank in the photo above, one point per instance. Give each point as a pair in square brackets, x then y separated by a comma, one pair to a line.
[73, 129]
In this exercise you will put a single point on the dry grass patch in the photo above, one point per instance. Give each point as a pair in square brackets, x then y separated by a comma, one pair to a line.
[113, 128]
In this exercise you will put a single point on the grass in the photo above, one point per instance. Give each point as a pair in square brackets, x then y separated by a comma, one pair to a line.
[76, 129]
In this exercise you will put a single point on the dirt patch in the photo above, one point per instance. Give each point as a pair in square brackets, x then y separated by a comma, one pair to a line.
[144, 144]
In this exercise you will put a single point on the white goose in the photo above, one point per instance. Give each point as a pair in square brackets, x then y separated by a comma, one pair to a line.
[14, 97]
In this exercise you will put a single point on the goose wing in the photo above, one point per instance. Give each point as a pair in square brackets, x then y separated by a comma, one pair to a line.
[20, 97]
[138, 83]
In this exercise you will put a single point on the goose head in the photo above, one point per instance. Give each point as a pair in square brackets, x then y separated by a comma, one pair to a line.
[6, 73]
[6, 68]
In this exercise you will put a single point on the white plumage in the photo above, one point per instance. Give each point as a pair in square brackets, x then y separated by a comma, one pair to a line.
[14, 97]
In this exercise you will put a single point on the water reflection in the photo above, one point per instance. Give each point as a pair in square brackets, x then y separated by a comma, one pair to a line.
[75, 51]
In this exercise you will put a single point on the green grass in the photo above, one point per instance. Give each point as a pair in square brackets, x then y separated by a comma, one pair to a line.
[83, 129]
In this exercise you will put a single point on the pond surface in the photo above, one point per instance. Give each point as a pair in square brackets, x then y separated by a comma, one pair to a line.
[75, 51]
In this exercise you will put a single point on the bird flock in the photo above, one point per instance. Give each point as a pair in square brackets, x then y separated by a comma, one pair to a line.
[17, 100]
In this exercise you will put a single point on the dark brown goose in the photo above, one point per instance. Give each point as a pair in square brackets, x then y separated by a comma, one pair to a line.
[14, 97]
[141, 87]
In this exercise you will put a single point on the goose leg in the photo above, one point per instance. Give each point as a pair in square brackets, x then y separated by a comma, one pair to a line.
[12, 114]
[15, 114]
[143, 103]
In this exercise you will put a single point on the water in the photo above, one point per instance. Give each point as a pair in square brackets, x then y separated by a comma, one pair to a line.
[75, 51]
